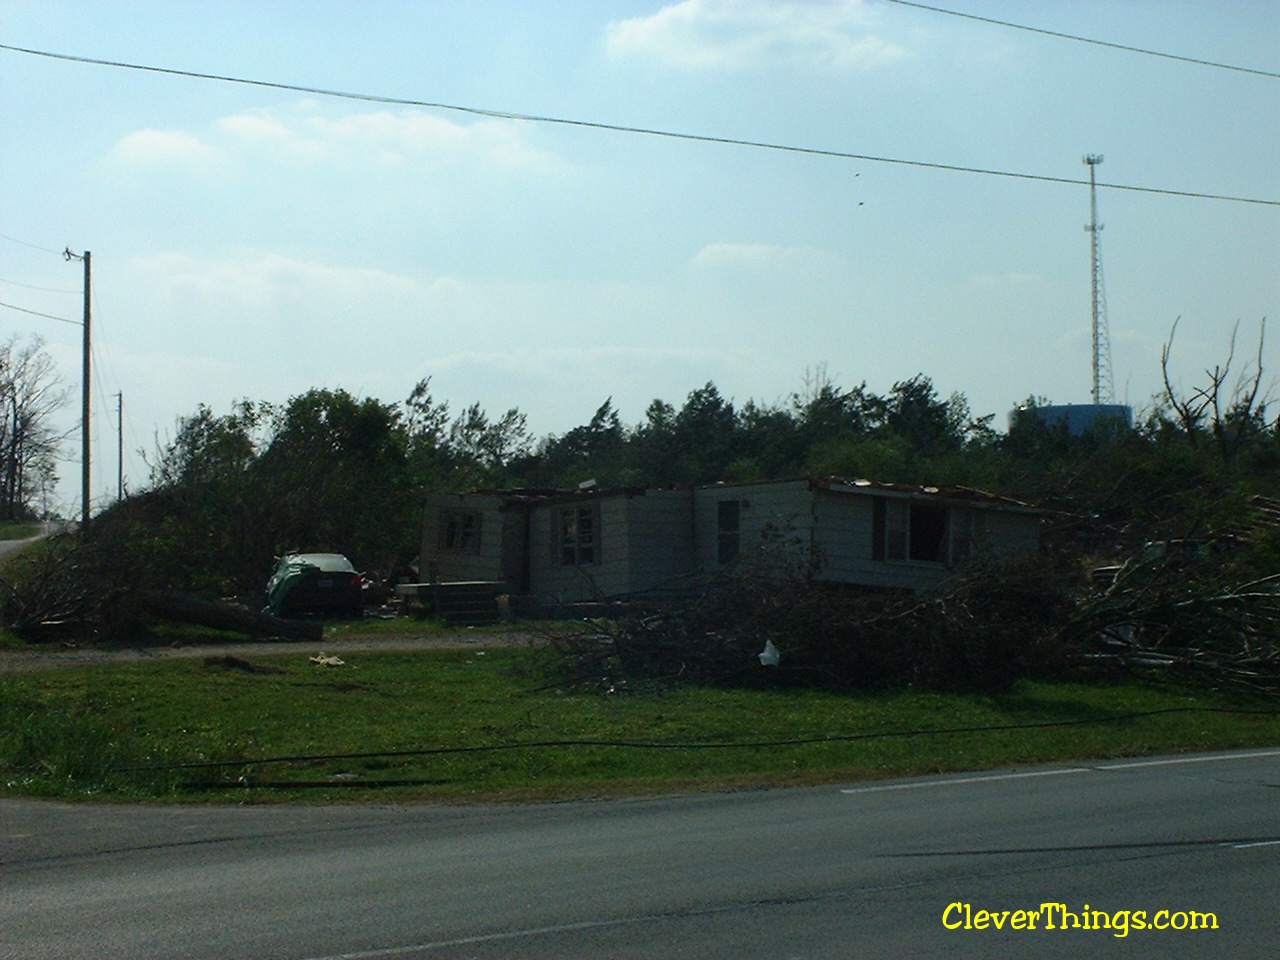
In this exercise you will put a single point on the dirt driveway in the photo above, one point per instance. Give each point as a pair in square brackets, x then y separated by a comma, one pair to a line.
[54, 657]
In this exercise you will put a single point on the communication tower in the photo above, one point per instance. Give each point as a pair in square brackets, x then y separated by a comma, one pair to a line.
[1103, 387]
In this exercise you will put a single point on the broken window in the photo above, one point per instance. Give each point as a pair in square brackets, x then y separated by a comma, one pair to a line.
[928, 533]
[577, 535]
[964, 530]
[728, 528]
[905, 530]
[460, 531]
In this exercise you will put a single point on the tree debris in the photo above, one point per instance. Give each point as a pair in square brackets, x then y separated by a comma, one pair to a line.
[238, 663]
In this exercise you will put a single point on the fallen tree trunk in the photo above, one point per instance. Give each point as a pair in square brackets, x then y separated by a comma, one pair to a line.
[224, 616]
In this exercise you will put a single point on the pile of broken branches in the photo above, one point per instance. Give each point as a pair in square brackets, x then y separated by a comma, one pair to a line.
[1203, 621]
[982, 632]
[73, 587]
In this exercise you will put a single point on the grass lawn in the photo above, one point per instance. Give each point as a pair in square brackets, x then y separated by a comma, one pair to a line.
[13, 530]
[459, 725]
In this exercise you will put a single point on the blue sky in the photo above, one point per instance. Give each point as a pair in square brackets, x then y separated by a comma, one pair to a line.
[252, 242]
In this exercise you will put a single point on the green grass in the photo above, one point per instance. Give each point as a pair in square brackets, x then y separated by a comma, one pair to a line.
[13, 530]
[182, 730]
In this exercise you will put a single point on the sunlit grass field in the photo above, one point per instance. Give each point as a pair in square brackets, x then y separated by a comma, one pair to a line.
[491, 724]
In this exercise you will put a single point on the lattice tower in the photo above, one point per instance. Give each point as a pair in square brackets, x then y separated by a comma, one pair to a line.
[1103, 386]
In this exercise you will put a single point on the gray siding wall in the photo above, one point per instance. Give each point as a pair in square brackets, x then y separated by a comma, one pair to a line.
[606, 576]
[660, 546]
[655, 538]
[454, 565]
[775, 524]
[844, 529]
[515, 548]
[645, 541]
[843, 541]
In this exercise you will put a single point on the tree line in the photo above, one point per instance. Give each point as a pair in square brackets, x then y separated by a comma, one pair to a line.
[329, 470]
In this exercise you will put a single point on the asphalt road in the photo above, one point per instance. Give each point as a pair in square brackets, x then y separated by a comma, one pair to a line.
[863, 871]
[12, 546]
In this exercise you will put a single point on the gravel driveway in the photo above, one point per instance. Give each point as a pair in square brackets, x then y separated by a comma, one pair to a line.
[53, 657]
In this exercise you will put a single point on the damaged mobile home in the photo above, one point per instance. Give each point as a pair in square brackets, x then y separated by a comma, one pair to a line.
[589, 544]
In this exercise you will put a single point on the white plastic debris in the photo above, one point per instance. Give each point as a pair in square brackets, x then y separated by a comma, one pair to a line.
[326, 661]
[770, 655]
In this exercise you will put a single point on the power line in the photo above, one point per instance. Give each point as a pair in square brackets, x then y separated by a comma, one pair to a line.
[37, 313]
[620, 128]
[1090, 40]
[32, 286]
[24, 243]
[675, 745]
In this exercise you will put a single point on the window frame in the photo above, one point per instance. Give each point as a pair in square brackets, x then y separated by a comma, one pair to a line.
[728, 531]
[900, 526]
[575, 535]
[459, 530]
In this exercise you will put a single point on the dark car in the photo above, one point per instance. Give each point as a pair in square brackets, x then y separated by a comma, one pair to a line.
[315, 583]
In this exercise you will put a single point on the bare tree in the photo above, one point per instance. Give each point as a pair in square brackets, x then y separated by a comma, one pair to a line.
[30, 394]
[1231, 413]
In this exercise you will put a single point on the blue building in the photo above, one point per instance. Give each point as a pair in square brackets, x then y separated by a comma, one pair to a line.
[1079, 417]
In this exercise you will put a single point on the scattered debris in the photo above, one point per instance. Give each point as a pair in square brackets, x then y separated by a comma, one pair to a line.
[770, 655]
[237, 663]
[323, 660]
[225, 616]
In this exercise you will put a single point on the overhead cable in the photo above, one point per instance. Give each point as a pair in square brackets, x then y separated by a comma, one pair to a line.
[32, 286]
[1090, 40]
[620, 128]
[24, 243]
[664, 745]
[37, 313]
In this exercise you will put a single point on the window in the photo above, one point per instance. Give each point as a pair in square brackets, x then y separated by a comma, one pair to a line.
[927, 533]
[965, 527]
[906, 530]
[577, 535]
[728, 528]
[460, 531]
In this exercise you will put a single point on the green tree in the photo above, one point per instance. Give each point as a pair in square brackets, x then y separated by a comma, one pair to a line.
[652, 445]
[481, 450]
[335, 477]
[426, 425]
[200, 522]
[930, 425]
[592, 451]
[705, 436]
[769, 443]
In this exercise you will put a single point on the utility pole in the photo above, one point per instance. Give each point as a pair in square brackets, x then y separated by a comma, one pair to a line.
[1103, 390]
[84, 396]
[120, 445]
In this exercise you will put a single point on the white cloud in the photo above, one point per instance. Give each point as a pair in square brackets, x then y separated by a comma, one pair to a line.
[562, 385]
[380, 139]
[1001, 280]
[271, 278]
[601, 362]
[160, 146]
[749, 34]
[753, 255]
[256, 127]
[389, 138]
